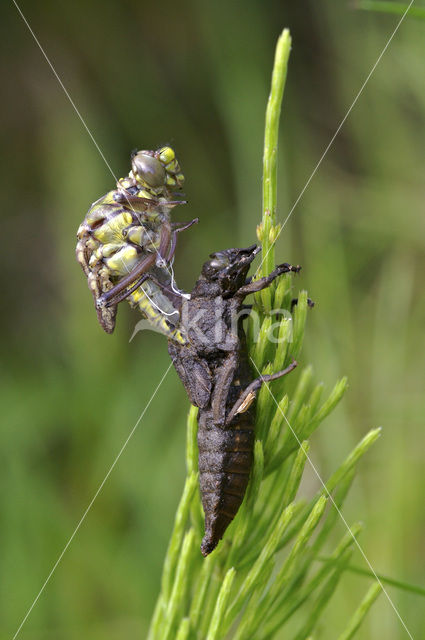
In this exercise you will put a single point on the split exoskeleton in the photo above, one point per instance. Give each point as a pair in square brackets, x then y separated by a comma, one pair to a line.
[215, 368]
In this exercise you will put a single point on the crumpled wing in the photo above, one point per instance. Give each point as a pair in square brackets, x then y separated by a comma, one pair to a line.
[97, 284]
[105, 315]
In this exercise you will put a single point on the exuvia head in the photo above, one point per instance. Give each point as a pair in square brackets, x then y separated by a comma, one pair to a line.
[158, 171]
[230, 267]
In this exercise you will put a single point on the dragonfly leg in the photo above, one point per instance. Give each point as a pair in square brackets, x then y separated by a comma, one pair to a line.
[248, 395]
[124, 294]
[176, 228]
[182, 226]
[144, 266]
[127, 292]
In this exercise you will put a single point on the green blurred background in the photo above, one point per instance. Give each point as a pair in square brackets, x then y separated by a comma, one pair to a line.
[196, 74]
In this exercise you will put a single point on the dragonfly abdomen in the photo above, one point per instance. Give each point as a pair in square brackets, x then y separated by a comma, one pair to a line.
[157, 309]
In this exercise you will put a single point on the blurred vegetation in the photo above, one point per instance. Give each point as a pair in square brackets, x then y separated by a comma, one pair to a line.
[196, 75]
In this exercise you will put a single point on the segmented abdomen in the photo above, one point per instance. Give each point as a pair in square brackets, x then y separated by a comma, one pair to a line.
[225, 460]
[156, 308]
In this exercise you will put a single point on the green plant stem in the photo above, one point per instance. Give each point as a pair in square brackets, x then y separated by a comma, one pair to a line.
[391, 7]
[171, 559]
[399, 584]
[179, 586]
[267, 231]
[267, 552]
[245, 588]
[323, 598]
[203, 583]
[273, 112]
[352, 459]
[287, 605]
[359, 615]
[184, 628]
[220, 608]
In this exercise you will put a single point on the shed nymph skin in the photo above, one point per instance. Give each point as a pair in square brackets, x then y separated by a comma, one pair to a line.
[214, 366]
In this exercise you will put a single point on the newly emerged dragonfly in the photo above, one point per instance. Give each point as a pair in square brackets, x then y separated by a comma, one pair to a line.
[126, 242]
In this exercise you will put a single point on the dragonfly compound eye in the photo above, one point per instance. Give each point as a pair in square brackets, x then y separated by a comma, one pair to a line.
[149, 170]
[166, 155]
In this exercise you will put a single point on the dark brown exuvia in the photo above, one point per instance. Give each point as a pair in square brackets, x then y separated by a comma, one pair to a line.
[214, 366]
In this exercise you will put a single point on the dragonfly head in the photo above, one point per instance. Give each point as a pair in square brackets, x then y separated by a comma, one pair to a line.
[158, 171]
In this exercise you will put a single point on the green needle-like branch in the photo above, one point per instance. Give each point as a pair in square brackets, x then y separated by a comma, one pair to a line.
[269, 566]
[397, 8]
[359, 615]
[268, 231]
[399, 584]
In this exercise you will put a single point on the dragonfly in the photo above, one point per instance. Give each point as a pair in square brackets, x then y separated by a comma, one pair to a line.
[126, 243]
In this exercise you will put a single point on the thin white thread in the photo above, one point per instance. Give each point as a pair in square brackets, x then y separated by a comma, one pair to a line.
[91, 504]
[262, 262]
[174, 284]
[156, 306]
[177, 291]
[335, 135]
[165, 313]
[64, 89]
[268, 388]
[150, 238]
[333, 502]
[79, 115]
